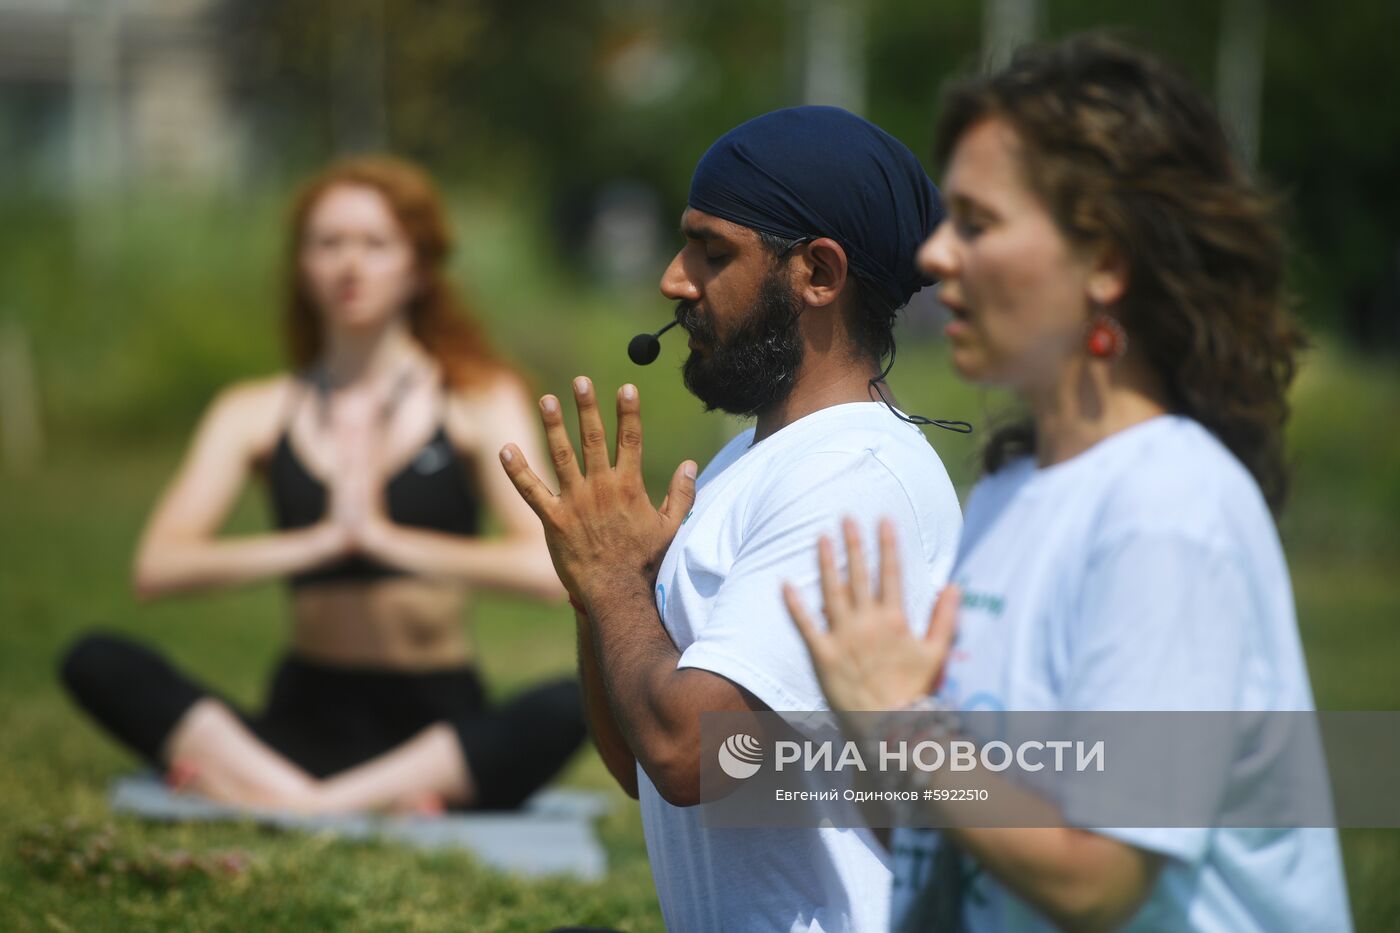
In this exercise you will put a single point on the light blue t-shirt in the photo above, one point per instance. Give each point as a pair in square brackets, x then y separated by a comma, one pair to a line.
[1143, 574]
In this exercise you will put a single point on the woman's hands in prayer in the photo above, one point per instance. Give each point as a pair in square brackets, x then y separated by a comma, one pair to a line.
[357, 514]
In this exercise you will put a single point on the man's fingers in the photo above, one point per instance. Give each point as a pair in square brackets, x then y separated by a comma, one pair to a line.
[855, 561]
[531, 488]
[891, 587]
[561, 449]
[593, 439]
[629, 431]
[806, 626]
[680, 496]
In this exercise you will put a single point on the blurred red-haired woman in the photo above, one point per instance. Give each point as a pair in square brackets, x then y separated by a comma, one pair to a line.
[378, 451]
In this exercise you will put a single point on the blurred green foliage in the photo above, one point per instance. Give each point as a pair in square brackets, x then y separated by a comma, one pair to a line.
[524, 109]
[558, 98]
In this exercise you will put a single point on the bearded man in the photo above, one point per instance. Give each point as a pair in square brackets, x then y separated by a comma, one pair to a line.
[800, 237]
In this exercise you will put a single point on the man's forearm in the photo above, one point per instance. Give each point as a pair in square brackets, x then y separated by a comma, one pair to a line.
[656, 705]
[612, 746]
[637, 663]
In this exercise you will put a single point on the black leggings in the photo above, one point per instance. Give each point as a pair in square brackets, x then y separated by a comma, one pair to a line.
[326, 718]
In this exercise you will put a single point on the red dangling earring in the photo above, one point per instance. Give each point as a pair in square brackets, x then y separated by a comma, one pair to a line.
[1107, 338]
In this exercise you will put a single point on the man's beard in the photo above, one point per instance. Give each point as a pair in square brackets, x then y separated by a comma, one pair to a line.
[756, 367]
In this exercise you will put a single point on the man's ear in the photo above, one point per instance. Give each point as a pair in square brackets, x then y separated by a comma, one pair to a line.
[822, 271]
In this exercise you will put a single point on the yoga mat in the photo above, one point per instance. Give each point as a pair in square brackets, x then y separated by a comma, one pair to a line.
[551, 835]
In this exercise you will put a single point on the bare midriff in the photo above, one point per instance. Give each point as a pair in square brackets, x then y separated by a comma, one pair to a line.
[400, 623]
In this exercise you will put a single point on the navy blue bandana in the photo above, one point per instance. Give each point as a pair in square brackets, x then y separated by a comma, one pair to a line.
[825, 172]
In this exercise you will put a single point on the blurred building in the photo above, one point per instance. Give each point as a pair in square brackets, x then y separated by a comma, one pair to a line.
[101, 94]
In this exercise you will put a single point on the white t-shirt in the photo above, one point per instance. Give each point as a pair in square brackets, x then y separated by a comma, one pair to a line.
[1143, 574]
[758, 514]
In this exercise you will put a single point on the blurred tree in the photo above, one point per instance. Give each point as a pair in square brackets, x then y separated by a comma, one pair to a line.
[1006, 25]
[834, 62]
[1239, 73]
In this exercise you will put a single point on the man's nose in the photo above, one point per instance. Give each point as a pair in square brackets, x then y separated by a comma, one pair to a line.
[676, 284]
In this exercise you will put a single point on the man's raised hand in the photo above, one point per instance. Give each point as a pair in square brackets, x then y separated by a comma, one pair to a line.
[605, 537]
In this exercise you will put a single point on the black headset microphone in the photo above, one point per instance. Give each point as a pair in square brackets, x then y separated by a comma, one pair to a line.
[645, 348]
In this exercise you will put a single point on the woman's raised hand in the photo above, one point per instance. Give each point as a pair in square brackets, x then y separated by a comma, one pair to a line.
[867, 659]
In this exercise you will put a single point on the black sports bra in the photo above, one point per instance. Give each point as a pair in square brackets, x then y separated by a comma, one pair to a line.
[431, 491]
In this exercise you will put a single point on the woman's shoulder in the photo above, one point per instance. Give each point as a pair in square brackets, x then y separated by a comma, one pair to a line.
[1181, 479]
[252, 409]
[478, 413]
[258, 390]
[1176, 454]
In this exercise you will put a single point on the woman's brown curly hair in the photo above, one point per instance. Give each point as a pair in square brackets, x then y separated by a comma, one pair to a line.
[1124, 151]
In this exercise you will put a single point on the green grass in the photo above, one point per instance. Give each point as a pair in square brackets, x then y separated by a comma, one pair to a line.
[65, 540]
[64, 553]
